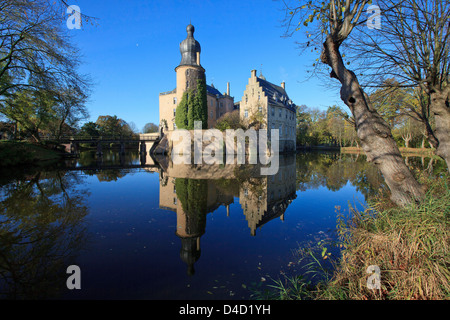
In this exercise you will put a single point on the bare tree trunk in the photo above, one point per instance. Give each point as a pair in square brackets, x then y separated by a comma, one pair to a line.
[432, 140]
[440, 106]
[373, 132]
[406, 139]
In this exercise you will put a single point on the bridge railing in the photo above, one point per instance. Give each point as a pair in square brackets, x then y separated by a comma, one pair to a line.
[99, 138]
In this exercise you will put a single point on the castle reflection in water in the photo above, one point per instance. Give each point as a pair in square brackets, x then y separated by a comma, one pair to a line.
[194, 191]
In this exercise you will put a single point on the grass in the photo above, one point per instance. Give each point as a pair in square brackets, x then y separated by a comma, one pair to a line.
[13, 153]
[409, 245]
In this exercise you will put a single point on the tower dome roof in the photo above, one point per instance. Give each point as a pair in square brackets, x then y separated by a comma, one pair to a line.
[189, 48]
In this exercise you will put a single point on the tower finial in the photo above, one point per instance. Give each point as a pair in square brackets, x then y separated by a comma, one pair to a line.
[260, 74]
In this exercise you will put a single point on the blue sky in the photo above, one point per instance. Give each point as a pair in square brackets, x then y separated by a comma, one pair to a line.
[132, 51]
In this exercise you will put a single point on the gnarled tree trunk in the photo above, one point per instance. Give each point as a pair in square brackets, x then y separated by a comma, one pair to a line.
[373, 132]
[440, 106]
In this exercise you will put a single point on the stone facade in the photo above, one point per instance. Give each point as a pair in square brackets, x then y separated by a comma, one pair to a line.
[270, 105]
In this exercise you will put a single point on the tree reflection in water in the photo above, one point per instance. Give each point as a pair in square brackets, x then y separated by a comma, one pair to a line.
[41, 231]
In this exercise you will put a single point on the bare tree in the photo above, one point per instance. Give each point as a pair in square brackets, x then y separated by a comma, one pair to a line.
[413, 47]
[336, 20]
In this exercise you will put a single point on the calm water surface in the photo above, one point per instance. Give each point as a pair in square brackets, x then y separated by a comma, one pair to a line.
[141, 231]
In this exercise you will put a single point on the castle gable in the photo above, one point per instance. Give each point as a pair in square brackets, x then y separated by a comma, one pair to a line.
[276, 95]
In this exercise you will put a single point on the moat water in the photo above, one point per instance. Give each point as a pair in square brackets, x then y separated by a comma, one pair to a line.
[138, 231]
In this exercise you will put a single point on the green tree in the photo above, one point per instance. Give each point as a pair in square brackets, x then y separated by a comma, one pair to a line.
[303, 124]
[230, 120]
[150, 128]
[336, 124]
[89, 129]
[31, 110]
[38, 59]
[113, 126]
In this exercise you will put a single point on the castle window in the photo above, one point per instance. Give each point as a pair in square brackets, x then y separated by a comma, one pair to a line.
[174, 112]
[246, 113]
[279, 113]
[246, 98]
[175, 201]
[175, 100]
[260, 109]
[272, 109]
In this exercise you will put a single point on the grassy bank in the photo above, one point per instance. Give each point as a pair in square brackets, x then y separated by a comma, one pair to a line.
[14, 153]
[410, 246]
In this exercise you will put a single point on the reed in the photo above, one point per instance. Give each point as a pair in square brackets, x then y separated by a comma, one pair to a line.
[409, 245]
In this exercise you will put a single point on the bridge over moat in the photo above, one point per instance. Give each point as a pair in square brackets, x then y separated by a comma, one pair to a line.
[72, 143]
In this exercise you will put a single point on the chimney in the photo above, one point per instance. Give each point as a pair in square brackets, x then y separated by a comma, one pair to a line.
[283, 85]
[228, 88]
[253, 73]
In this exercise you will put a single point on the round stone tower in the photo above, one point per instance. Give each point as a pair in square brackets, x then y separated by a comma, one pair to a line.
[189, 69]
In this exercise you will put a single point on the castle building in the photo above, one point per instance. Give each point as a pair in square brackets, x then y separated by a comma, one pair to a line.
[269, 105]
[187, 73]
